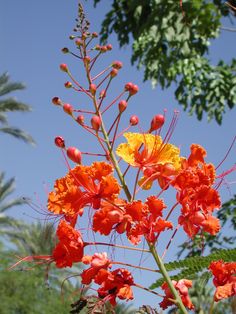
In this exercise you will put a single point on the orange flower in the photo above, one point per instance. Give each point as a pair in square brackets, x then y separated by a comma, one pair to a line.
[224, 279]
[196, 194]
[83, 186]
[182, 287]
[116, 284]
[157, 160]
[108, 216]
[70, 248]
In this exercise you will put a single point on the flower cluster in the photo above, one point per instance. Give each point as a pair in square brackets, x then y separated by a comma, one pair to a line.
[224, 279]
[113, 205]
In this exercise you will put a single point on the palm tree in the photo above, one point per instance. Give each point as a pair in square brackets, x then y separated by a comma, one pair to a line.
[10, 104]
[6, 188]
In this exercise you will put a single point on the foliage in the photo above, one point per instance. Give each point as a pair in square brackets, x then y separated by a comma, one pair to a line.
[12, 105]
[191, 266]
[172, 45]
[27, 291]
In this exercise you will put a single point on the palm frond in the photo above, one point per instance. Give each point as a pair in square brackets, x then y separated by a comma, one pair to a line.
[6, 188]
[11, 104]
[12, 203]
[7, 87]
[3, 118]
[18, 133]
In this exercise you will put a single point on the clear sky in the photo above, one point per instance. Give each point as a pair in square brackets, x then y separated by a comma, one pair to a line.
[32, 34]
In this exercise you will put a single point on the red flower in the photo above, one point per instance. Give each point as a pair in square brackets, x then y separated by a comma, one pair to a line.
[116, 284]
[70, 248]
[99, 262]
[83, 186]
[182, 287]
[224, 279]
[196, 194]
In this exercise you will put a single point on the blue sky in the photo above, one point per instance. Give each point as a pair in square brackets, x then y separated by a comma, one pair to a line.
[32, 34]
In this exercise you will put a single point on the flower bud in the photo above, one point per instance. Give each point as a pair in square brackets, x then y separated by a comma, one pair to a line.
[94, 35]
[113, 72]
[59, 142]
[122, 105]
[98, 47]
[56, 101]
[68, 108]
[72, 37]
[80, 119]
[64, 67]
[74, 154]
[117, 65]
[157, 122]
[87, 59]
[102, 93]
[134, 120]
[103, 48]
[78, 42]
[109, 47]
[96, 123]
[134, 90]
[92, 89]
[65, 50]
[68, 85]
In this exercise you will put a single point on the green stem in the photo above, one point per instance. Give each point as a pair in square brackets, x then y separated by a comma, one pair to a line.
[166, 276]
[211, 307]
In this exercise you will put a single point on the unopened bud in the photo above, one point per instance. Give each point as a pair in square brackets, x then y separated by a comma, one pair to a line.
[122, 105]
[94, 35]
[74, 154]
[157, 122]
[64, 67]
[128, 86]
[78, 42]
[68, 85]
[72, 37]
[96, 123]
[65, 50]
[103, 48]
[113, 72]
[134, 120]
[134, 90]
[68, 108]
[102, 93]
[80, 119]
[87, 59]
[98, 47]
[59, 142]
[56, 101]
[109, 47]
[117, 65]
[92, 89]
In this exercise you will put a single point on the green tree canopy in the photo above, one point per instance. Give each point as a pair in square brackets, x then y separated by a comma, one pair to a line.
[171, 42]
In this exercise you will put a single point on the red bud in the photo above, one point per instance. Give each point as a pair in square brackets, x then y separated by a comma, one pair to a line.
[68, 108]
[74, 154]
[109, 47]
[134, 120]
[65, 50]
[102, 94]
[157, 122]
[56, 101]
[68, 85]
[117, 65]
[96, 123]
[87, 59]
[103, 48]
[59, 141]
[122, 105]
[78, 42]
[94, 35]
[92, 89]
[113, 72]
[64, 67]
[80, 119]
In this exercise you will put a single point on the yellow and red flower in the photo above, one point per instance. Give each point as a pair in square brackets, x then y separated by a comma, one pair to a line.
[158, 160]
